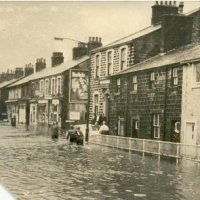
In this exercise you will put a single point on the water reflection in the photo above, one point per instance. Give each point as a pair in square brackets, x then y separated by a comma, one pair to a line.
[38, 167]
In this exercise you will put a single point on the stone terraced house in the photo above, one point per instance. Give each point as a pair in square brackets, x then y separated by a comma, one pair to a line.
[58, 93]
[169, 29]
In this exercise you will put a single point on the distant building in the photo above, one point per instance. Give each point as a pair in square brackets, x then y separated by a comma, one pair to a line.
[53, 94]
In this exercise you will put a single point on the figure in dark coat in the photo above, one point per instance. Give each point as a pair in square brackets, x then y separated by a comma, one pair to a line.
[80, 136]
[72, 135]
[55, 133]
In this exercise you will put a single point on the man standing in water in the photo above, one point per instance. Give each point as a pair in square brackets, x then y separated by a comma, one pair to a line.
[80, 136]
[72, 135]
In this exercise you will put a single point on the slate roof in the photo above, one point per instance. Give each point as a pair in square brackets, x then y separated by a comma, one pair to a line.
[6, 83]
[130, 37]
[50, 71]
[179, 55]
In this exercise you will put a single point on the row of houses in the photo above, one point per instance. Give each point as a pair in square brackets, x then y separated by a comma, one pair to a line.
[145, 85]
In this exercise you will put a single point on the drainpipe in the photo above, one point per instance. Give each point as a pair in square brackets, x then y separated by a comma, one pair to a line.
[165, 106]
[88, 103]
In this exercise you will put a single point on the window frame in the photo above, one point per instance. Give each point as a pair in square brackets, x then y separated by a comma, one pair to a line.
[109, 63]
[46, 87]
[96, 104]
[52, 85]
[42, 91]
[121, 68]
[134, 82]
[174, 76]
[97, 72]
[59, 84]
[151, 80]
[195, 73]
[156, 125]
[118, 83]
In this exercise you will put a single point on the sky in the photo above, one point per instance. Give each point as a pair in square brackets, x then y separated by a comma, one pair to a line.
[28, 28]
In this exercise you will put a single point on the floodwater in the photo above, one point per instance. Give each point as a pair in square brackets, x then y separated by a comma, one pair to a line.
[35, 167]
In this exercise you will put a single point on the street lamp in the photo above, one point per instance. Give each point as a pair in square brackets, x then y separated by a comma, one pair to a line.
[88, 102]
[65, 38]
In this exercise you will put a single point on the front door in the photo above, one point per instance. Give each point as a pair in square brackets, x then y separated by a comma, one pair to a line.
[190, 139]
[134, 128]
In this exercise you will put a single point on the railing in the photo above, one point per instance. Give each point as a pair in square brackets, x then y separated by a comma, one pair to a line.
[159, 148]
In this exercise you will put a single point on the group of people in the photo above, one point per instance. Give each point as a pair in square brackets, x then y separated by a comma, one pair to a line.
[75, 135]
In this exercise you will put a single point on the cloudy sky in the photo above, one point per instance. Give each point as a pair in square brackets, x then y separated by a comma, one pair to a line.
[27, 29]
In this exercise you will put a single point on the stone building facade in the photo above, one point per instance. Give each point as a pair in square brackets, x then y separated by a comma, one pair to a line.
[156, 100]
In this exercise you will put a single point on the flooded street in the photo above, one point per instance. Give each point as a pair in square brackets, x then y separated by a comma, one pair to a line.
[36, 167]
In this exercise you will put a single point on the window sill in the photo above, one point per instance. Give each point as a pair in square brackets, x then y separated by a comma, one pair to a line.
[133, 92]
[197, 86]
[116, 93]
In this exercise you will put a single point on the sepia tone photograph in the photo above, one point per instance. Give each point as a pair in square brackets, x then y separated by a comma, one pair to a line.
[99, 100]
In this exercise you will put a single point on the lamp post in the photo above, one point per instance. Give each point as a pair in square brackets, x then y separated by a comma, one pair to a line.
[88, 100]
[66, 38]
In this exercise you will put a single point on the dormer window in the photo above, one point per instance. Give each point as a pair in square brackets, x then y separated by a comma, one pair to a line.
[109, 62]
[123, 58]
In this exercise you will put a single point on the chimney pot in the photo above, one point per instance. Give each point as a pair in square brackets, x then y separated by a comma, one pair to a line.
[166, 2]
[170, 3]
[156, 2]
[161, 2]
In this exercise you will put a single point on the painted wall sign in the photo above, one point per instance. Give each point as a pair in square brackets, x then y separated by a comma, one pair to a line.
[79, 85]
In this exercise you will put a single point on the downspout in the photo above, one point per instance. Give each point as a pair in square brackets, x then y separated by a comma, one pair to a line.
[165, 106]
[88, 102]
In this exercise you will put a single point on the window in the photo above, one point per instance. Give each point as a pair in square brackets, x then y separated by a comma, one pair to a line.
[152, 80]
[55, 86]
[97, 66]
[59, 85]
[109, 62]
[118, 84]
[96, 104]
[135, 83]
[174, 76]
[46, 86]
[42, 87]
[121, 126]
[123, 53]
[156, 125]
[52, 86]
[197, 72]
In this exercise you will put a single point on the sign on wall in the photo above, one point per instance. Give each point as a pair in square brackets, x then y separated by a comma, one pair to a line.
[73, 115]
[79, 85]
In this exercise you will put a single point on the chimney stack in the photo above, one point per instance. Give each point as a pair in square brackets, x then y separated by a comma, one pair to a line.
[180, 8]
[29, 69]
[19, 72]
[93, 43]
[161, 9]
[40, 64]
[57, 58]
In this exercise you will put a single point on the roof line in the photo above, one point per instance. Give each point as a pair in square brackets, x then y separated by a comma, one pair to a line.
[110, 44]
